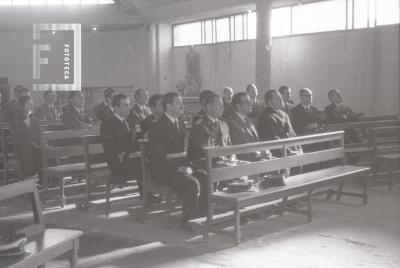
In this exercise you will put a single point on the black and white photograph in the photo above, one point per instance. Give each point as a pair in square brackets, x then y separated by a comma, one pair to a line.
[200, 133]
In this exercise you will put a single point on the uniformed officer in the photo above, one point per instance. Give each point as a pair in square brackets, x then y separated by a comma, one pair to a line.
[157, 110]
[105, 110]
[202, 112]
[74, 114]
[139, 111]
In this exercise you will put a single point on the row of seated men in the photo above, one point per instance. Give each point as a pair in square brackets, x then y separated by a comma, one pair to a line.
[121, 126]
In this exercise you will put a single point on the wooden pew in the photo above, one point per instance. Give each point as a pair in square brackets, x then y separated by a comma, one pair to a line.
[7, 155]
[98, 174]
[44, 244]
[386, 143]
[60, 147]
[378, 118]
[366, 147]
[303, 183]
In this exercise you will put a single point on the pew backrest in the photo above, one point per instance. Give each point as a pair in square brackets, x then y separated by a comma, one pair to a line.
[216, 174]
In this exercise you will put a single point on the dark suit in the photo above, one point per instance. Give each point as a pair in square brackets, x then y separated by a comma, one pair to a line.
[228, 110]
[118, 141]
[164, 139]
[198, 116]
[26, 145]
[102, 112]
[242, 132]
[288, 106]
[206, 133]
[146, 125]
[256, 110]
[45, 112]
[73, 120]
[10, 110]
[300, 117]
[339, 113]
[136, 117]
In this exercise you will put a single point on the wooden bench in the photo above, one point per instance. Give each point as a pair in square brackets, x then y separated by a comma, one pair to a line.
[298, 184]
[44, 244]
[7, 156]
[98, 174]
[60, 147]
[366, 147]
[386, 143]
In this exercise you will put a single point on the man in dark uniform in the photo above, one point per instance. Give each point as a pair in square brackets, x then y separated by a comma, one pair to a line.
[274, 123]
[202, 112]
[157, 110]
[48, 110]
[74, 114]
[119, 142]
[257, 106]
[168, 163]
[105, 110]
[337, 112]
[305, 117]
[288, 103]
[242, 129]
[227, 100]
[210, 130]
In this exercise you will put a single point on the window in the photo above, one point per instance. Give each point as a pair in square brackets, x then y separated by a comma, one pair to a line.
[223, 30]
[319, 17]
[387, 12]
[54, 2]
[187, 34]
[281, 23]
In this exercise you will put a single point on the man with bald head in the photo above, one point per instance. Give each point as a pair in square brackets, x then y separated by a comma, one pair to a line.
[227, 100]
[305, 117]
[288, 103]
[257, 106]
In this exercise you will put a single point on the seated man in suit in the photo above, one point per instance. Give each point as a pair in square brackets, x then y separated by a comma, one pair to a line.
[105, 110]
[48, 110]
[139, 111]
[242, 129]
[12, 106]
[305, 117]
[274, 123]
[119, 142]
[227, 100]
[337, 112]
[157, 110]
[168, 163]
[210, 130]
[288, 103]
[74, 115]
[257, 106]
[202, 112]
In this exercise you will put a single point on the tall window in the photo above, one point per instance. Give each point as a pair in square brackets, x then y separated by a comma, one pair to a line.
[320, 16]
[54, 2]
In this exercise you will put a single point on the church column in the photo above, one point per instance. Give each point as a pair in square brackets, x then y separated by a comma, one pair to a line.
[152, 81]
[263, 46]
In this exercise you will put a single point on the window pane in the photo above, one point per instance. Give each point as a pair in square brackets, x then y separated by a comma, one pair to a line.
[387, 12]
[349, 15]
[54, 2]
[239, 27]
[88, 2]
[208, 31]
[252, 25]
[187, 34]
[105, 2]
[222, 29]
[37, 2]
[319, 17]
[5, 3]
[360, 14]
[280, 21]
[20, 2]
[72, 2]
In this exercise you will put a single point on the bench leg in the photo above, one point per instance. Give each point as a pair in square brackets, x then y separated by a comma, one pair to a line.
[73, 258]
[145, 205]
[309, 205]
[329, 194]
[365, 191]
[237, 226]
[210, 215]
[281, 209]
[108, 205]
[390, 179]
[62, 192]
[88, 193]
[339, 191]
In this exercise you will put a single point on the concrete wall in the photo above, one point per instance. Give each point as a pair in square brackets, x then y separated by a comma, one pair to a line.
[364, 64]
